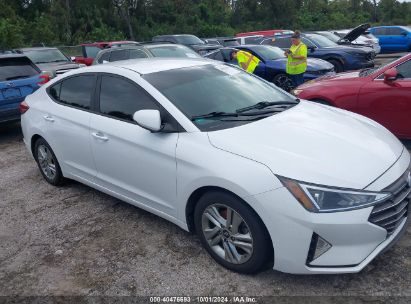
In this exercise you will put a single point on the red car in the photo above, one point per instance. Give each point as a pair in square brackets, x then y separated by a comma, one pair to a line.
[90, 50]
[382, 94]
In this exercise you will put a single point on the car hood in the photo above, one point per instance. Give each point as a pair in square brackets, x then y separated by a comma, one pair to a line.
[356, 32]
[313, 64]
[316, 144]
[56, 66]
[331, 78]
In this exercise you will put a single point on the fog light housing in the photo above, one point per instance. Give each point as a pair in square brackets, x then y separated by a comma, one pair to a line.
[318, 247]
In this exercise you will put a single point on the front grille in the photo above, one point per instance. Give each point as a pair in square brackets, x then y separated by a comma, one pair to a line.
[390, 213]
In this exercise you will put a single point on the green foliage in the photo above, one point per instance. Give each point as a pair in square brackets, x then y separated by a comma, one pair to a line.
[69, 22]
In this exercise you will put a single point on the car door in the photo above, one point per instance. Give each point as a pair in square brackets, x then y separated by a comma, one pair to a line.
[398, 40]
[67, 123]
[389, 103]
[132, 161]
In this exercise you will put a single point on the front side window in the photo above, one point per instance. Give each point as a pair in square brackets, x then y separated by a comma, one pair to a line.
[104, 57]
[119, 55]
[283, 43]
[395, 31]
[121, 98]
[404, 70]
[210, 88]
[135, 54]
[75, 91]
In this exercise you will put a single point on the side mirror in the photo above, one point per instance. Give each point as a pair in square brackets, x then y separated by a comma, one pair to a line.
[148, 119]
[390, 75]
[72, 58]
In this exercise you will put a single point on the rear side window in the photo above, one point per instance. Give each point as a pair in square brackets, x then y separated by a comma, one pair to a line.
[16, 68]
[91, 51]
[380, 31]
[75, 91]
[121, 98]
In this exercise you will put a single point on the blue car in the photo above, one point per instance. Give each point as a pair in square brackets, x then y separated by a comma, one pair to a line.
[19, 77]
[273, 63]
[393, 38]
[342, 57]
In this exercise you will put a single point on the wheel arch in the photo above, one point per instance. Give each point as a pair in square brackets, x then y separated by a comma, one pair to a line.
[33, 140]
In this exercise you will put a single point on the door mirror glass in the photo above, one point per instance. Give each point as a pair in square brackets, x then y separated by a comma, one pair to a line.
[148, 119]
[390, 75]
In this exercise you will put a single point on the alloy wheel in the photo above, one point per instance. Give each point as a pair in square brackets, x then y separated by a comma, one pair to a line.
[227, 234]
[46, 162]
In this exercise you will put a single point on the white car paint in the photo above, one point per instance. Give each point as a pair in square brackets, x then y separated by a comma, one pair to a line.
[160, 171]
[369, 39]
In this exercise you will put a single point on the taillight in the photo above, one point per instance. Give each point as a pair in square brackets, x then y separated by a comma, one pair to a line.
[44, 79]
[23, 107]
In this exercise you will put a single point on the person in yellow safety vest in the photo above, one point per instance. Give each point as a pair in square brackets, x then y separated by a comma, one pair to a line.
[246, 60]
[297, 59]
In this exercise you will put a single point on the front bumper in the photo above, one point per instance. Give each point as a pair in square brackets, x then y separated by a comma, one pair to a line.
[355, 237]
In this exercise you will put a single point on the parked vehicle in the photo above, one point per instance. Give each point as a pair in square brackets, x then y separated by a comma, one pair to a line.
[121, 53]
[359, 36]
[266, 33]
[169, 50]
[262, 178]
[342, 57]
[224, 41]
[253, 39]
[393, 38]
[382, 94]
[50, 60]
[190, 41]
[90, 50]
[19, 77]
[272, 66]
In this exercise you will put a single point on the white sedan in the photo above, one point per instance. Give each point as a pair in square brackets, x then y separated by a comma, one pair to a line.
[262, 178]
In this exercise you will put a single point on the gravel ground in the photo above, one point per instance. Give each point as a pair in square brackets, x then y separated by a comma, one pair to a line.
[74, 240]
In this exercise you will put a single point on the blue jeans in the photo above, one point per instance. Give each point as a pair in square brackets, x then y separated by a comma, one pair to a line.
[297, 79]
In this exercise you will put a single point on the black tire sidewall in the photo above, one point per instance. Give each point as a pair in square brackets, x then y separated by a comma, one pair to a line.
[338, 67]
[262, 245]
[283, 75]
[58, 178]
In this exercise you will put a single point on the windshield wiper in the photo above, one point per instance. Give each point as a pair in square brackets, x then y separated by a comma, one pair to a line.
[214, 114]
[265, 104]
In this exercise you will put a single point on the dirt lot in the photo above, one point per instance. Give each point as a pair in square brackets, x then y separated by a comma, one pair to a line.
[77, 241]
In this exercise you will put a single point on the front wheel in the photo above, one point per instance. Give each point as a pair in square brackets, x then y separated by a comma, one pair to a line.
[338, 67]
[284, 82]
[232, 233]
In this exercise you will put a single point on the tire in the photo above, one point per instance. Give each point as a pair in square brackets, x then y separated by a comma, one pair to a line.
[322, 102]
[47, 163]
[243, 247]
[338, 67]
[284, 82]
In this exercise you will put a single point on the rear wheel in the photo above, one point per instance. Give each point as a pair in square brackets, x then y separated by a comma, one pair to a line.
[232, 233]
[47, 162]
[284, 82]
[338, 67]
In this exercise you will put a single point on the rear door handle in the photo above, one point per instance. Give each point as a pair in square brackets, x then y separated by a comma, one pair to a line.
[99, 136]
[48, 118]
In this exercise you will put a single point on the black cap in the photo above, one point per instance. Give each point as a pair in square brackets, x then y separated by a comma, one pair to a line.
[296, 35]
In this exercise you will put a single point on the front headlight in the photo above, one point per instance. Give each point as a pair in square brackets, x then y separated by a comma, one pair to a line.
[317, 198]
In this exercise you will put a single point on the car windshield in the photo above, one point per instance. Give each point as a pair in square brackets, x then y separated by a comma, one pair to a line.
[268, 52]
[175, 51]
[333, 37]
[189, 40]
[321, 41]
[210, 88]
[46, 56]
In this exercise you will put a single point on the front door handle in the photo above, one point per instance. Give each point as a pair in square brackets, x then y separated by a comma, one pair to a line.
[99, 136]
[48, 118]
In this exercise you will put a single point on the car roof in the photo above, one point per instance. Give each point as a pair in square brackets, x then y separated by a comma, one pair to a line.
[38, 49]
[153, 65]
[155, 45]
[12, 56]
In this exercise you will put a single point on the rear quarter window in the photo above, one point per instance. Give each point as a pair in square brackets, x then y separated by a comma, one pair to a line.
[16, 68]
